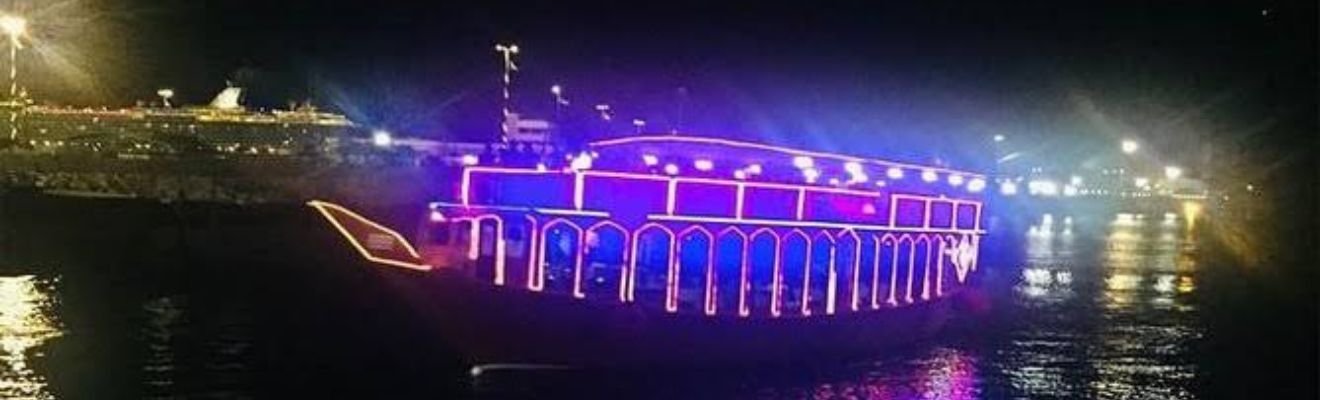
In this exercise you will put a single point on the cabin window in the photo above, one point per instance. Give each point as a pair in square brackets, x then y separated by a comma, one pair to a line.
[652, 258]
[560, 257]
[694, 255]
[605, 259]
[761, 266]
[729, 250]
[793, 266]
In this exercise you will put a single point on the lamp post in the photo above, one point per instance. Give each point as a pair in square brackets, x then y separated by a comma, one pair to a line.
[14, 27]
[507, 51]
[560, 101]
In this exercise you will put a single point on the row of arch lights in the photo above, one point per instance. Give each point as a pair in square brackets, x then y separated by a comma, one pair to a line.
[856, 172]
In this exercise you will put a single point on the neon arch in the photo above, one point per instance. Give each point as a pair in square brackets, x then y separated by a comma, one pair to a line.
[712, 294]
[532, 251]
[776, 276]
[805, 267]
[831, 276]
[474, 252]
[921, 247]
[605, 225]
[676, 268]
[637, 236]
[854, 268]
[577, 254]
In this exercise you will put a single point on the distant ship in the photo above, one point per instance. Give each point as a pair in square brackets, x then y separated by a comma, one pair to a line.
[674, 249]
[224, 126]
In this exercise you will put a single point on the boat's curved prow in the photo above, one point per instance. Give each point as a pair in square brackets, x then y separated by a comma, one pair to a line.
[375, 242]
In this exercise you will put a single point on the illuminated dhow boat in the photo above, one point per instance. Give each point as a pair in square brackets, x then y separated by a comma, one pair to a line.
[674, 249]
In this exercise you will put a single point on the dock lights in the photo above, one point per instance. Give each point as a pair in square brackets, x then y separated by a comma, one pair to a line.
[381, 138]
[803, 162]
[929, 176]
[470, 159]
[740, 175]
[650, 159]
[894, 173]
[671, 169]
[1141, 182]
[754, 169]
[703, 165]
[1172, 172]
[956, 180]
[976, 185]
[1069, 190]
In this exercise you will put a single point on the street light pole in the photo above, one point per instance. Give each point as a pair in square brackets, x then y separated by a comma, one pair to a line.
[507, 51]
[14, 27]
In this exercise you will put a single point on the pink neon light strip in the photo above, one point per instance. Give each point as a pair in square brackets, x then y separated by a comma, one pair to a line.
[801, 203]
[738, 202]
[758, 146]
[672, 197]
[801, 224]
[578, 188]
[875, 276]
[533, 257]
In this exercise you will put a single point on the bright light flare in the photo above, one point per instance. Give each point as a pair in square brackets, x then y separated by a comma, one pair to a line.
[894, 173]
[382, 138]
[650, 159]
[703, 165]
[13, 26]
[1008, 188]
[671, 169]
[1172, 172]
[470, 159]
[811, 174]
[1130, 146]
[583, 161]
[956, 180]
[976, 185]
[929, 175]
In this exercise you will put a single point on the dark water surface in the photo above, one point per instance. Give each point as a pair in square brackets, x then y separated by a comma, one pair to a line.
[129, 301]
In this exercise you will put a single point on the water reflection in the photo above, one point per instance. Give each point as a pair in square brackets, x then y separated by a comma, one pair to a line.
[27, 320]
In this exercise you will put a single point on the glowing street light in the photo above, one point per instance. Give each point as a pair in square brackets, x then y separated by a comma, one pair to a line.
[14, 27]
[640, 124]
[165, 96]
[560, 101]
[1130, 146]
[1172, 172]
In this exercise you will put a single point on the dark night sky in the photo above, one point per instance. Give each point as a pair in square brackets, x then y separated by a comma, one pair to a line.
[830, 76]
